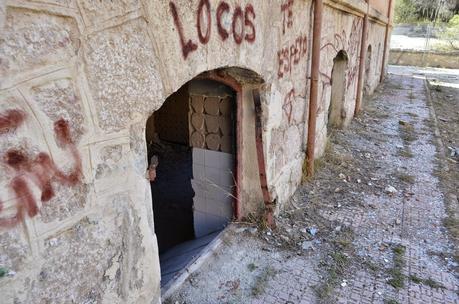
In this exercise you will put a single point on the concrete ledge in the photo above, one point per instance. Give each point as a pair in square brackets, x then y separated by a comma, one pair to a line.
[357, 8]
[194, 265]
[448, 60]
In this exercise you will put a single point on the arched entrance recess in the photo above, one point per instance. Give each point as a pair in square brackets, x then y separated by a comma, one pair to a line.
[336, 112]
[195, 144]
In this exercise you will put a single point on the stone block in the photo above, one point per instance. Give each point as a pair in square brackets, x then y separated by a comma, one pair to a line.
[212, 105]
[32, 39]
[58, 99]
[14, 249]
[197, 103]
[67, 202]
[127, 52]
[197, 140]
[98, 11]
[212, 123]
[106, 249]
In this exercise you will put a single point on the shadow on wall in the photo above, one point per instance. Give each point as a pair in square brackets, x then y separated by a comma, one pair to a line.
[367, 85]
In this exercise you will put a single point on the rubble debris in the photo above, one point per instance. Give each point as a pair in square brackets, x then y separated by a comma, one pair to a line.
[312, 230]
[390, 190]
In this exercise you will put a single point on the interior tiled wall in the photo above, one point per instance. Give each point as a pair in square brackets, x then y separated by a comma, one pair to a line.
[213, 184]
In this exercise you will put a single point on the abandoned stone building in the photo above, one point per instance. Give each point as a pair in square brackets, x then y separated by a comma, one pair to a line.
[131, 128]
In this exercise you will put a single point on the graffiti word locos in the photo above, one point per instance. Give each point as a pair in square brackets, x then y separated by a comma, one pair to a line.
[242, 24]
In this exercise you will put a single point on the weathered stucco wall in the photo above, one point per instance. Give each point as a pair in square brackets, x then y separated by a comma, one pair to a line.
[78, 81]
[376, 33]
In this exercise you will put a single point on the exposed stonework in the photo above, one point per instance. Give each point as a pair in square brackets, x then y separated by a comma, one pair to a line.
[32, 39]
[96, 11]
[121, 67]
[65, 204]
[15, 249]
[58, 99]
[110, 160]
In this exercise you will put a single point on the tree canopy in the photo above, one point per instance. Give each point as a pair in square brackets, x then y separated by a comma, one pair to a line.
[417, 10]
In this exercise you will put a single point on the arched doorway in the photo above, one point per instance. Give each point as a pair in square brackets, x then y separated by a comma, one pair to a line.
[192, 148]
[336, 113]
[367, 83]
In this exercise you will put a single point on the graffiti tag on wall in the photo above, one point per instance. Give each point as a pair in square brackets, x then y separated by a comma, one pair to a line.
[290, 55]
[350, 45]
[40, 170]
[242, 26]
[288, 105]
[287, 15]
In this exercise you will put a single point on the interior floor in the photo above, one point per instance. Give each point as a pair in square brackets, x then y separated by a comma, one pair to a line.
[178, 257]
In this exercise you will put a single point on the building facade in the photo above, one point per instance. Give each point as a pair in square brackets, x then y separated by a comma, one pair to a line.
[92, 91]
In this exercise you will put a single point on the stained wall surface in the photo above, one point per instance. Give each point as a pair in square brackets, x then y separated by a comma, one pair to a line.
[78, 81]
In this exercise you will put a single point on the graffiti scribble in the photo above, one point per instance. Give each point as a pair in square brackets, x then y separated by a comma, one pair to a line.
[41, 170]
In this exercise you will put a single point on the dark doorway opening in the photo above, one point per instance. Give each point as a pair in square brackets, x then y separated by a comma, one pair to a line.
[191, 142]
[336, 112]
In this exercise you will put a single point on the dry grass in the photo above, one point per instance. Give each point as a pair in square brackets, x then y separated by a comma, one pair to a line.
[427, 282]
[407, 178]
[446, 108]
[337, 263]
[405, 153]
[452, 224]
[407, 132]
[330, 156]
[261, 281]
[413, 115]
[415, 279]
[397, 279]
[433, 284]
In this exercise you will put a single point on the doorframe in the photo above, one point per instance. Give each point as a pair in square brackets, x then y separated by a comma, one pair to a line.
[235, 85]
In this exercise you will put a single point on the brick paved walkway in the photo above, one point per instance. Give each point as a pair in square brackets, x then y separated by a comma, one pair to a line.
[373, 246]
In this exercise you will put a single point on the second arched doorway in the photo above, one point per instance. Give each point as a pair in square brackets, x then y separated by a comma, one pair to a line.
[336, 111]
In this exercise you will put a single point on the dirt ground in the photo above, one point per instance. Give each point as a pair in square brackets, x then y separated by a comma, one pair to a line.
[444, 88]
[370, 226]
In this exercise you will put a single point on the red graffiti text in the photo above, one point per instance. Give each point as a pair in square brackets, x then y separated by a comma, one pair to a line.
[291, 55]
[40, 170]
[287, 15]
[11, 120]
[288, 105]
[242, 25]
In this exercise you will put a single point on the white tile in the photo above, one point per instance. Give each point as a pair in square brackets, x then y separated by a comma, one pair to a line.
[199, 187]
[199, 172]
[212, 159]
[226, 161]
[217, 193]
[198, 156]
[215, 223]
[227, 178]
[213, 207]
[212, 175]
[200, 224]
[199, 204]
[227, 211]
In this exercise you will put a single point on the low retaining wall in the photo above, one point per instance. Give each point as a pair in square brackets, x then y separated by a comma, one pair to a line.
[419, 58]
